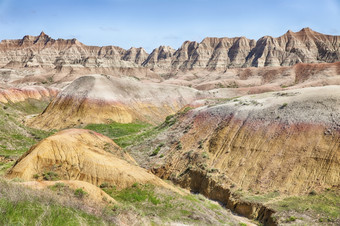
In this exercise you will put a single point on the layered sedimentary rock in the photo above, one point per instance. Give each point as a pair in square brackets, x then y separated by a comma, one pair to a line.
[136, 55]
[160, 57]
[15, 95]
[43, 51]
[101, 99]
[286, 141]
[306, 46]
[83, 155]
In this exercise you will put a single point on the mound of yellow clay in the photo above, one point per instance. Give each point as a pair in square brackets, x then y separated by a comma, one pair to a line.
[78, 154]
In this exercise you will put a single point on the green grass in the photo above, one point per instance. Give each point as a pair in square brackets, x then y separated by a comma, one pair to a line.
[115, 129]
[326, 203]
[126, 134]
[4, 166]
[155, 203]
[134, 194]
[257, 198]
[122, 133]
[20, 205]
[29, 106]
[80, 193]
[15, 137]
[35, 213]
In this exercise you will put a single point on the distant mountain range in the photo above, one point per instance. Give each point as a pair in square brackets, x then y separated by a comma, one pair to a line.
[305, 46]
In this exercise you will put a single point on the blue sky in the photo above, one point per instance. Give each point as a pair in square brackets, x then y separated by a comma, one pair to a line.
[150, 23]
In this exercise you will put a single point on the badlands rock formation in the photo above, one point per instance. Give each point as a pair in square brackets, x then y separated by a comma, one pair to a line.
[101, 99]
[43, 51]
[305, 46]
[286, 141]
[15, 95]
[77, 154]
[258, 80]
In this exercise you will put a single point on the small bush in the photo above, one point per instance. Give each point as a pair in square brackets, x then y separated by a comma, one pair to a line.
[313, 192]
[205, 155]
[179, 146]
[57, 186]
[155, 152]
[104, 185]
[291, 218]
[283, 105]
[80, 193]
[200, 144]
[170, 120]
[50, 176]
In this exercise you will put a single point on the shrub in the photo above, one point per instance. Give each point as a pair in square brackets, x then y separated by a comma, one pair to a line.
[313, 192]
[50, 176]
[155, 152]
[57, 186]
[283, 105]
[200, 144]
[291, 218]
[104, 185]
[179, 146]
[80, 193]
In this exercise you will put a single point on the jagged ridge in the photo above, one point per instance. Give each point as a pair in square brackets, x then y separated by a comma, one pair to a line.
[305, 46]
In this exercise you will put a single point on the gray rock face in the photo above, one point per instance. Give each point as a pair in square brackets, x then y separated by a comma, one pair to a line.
[305, 46]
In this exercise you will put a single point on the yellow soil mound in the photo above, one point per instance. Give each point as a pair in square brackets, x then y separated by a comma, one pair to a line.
[78, 154]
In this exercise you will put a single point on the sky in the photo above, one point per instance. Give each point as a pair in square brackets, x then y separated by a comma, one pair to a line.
[151, 23]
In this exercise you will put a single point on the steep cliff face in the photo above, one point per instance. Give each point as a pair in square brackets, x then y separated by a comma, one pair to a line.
[286, 141]
[213, 53]
[101, 98]
[160, 58]
[306, 46]
[43, 51]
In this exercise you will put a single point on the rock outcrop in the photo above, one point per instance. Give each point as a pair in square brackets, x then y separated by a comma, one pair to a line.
[101, 99]
[43, 51]
[83, 155]
[286, 141]
[305, 46]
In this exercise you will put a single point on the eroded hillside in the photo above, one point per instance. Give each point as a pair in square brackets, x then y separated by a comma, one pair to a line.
[254, 125]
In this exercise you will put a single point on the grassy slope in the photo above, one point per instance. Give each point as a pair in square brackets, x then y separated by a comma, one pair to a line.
[132, 133]
[161, 206]
[15, 138]
[23, 206]
[60, 205]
